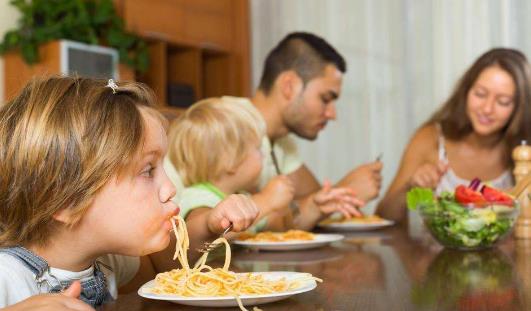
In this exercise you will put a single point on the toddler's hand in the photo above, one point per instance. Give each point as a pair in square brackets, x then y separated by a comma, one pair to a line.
[237, 209]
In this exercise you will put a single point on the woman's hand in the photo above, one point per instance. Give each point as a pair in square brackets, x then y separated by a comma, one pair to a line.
[428, 175]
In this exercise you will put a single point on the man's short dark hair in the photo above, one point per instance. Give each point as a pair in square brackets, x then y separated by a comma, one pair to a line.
[303, 52]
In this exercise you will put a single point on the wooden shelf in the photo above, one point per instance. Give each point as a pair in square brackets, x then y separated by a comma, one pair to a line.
[185, 66]
[203, 44]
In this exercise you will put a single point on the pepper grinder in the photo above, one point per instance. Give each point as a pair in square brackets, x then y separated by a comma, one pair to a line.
[522, 174]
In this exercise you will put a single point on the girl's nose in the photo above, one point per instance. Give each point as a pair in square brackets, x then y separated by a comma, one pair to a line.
[167, 190]
[488, 106]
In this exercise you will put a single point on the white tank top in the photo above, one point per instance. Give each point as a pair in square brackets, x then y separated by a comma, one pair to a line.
[450, 180]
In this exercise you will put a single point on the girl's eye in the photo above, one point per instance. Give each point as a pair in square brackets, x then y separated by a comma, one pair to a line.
[480, 94]
[505, 103]
[148, 171]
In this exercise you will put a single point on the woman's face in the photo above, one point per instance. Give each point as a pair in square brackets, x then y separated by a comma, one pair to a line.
[490, 101]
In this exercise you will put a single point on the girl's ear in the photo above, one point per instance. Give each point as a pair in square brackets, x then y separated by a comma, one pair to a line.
[64, 216]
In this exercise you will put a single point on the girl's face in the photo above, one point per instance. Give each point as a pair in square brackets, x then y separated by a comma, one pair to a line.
[249, 170]
[490, 101]
[131, 214]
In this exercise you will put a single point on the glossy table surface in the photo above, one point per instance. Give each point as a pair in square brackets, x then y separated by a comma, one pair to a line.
[391, 269]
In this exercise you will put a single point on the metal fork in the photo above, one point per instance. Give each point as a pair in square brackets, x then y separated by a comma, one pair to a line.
[208, 247]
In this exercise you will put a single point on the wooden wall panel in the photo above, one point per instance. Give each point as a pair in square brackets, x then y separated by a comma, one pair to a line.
[17, 73]
[157, 74]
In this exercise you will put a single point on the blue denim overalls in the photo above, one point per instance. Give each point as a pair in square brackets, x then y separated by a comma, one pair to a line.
[93, 290]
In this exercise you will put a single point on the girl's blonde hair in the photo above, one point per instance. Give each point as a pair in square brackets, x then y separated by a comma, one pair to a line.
[61, 141]
[212, 136]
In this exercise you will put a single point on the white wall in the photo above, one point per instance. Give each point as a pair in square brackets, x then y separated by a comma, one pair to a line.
[403, 58]
[8, 18]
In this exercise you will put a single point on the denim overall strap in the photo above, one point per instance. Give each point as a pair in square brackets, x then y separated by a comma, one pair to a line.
[32, 261]
[93, 290]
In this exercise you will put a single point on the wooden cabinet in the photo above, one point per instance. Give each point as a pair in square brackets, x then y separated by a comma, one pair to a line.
[200, 43]
[17, 72]
[207, 23]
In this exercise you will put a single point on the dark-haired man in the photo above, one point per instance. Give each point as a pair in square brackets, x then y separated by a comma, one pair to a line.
[297, 94]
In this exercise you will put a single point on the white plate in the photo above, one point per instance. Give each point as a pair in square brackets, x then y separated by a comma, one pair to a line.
[320, 240]
[247, 300]
[246, 260]
[351, 226]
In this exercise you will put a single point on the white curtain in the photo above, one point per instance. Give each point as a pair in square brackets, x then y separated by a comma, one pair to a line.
[403, 58]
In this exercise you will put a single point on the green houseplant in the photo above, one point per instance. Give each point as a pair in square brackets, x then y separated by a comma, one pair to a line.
[88, 21]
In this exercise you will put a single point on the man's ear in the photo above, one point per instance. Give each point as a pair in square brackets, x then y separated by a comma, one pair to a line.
[290, 85]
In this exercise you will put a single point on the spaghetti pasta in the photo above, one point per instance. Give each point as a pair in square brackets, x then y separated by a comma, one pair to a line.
[268, 236]
[202, 280]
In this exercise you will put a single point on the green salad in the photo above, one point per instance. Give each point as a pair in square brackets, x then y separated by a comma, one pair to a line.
[463, 219]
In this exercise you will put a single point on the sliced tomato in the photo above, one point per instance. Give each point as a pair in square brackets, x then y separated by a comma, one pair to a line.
[465, 195]
[496, 196]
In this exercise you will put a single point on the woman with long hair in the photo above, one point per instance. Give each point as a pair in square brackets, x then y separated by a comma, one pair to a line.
[472, 135]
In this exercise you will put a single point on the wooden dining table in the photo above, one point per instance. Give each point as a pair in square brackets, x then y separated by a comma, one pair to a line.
[397, 268]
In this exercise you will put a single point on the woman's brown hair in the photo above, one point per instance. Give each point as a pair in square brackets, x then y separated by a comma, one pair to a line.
[453, 117]
[61, 141]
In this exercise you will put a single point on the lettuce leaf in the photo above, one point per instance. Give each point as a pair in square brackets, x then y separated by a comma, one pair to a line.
[419, 196]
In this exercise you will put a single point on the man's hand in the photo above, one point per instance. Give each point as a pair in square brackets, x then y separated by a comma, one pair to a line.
[365, 180]
[279, 192]
[343, 200]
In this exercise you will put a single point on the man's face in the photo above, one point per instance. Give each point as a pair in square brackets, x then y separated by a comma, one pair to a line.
[315, 105]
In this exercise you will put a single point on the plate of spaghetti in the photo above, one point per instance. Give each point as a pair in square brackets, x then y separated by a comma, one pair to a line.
[205, 286]
[371, 222]
[283, 241]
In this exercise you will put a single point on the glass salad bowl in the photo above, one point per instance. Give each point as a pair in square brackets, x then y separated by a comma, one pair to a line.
[459, 224]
